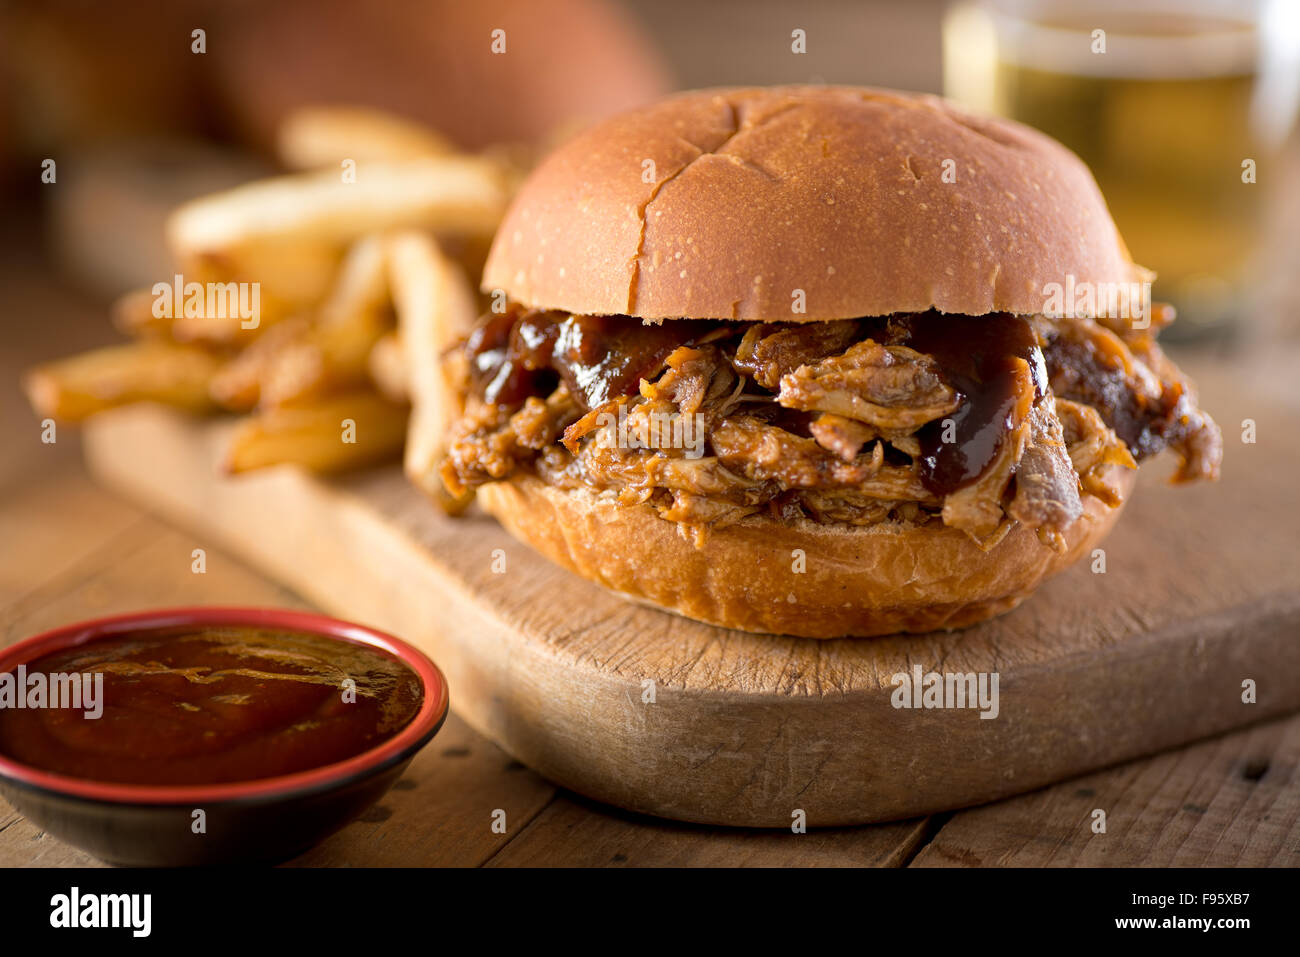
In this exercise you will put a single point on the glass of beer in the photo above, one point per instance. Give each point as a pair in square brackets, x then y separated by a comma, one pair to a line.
[1178, 108]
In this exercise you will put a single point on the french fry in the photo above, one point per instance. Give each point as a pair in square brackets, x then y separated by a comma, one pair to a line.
[435, 307]
[387, 367]
[133, 314]
[292, 276]
[327, 358]
[362, 284]
[333, 353]
[334, 434]
[279, 231]
[304, 357]
[237, 385]
[324, 136]
[151, 371]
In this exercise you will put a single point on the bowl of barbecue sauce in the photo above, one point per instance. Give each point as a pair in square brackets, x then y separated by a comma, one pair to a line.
[209, 735]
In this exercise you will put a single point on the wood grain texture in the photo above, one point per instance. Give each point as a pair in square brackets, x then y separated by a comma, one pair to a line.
[440, 814]
[571, 832]
[1231, 801]
[62, 523]
[1198, 596]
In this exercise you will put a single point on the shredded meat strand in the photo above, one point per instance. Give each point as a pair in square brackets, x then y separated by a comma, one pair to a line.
[887, 387]
[1047, 486]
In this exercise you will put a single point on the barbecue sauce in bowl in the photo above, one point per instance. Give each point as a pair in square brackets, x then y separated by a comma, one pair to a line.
[214, 704]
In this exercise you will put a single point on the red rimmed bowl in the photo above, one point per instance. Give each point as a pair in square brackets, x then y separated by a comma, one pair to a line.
[260, 821]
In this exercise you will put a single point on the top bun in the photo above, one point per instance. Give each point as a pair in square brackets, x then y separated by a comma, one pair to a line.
[720, 204]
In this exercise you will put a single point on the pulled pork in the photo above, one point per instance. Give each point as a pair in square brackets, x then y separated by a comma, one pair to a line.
[975, 422]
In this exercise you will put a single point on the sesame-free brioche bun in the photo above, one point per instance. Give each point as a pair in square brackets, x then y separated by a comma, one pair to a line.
[720, 204]
[859, 581]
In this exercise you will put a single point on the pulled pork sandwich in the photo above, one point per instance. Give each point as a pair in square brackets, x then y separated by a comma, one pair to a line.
[781, 360]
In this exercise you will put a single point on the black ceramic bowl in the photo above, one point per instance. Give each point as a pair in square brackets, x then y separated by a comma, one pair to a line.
[261, 821]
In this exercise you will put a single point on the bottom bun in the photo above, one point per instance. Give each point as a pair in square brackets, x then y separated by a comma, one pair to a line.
[862, 581]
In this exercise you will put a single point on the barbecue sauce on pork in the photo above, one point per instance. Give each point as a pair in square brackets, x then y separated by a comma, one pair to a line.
[978, 357]
[518, 353]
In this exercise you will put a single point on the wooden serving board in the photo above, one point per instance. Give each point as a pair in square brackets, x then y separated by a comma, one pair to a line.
[1199, 595]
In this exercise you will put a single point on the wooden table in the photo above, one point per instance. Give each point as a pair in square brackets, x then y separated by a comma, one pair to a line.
[69, 550]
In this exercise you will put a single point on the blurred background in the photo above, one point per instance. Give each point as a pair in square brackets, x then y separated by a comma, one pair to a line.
[1185, 113]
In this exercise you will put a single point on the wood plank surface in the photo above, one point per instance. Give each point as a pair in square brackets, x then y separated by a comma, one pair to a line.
[1097, 668]
[1232, 801]
[568, 834]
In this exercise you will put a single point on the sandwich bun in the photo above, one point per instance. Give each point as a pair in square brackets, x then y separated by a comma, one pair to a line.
[863, 581]
[719, 204]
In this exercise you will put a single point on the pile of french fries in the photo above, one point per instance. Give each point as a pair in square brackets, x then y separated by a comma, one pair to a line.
[358, 298]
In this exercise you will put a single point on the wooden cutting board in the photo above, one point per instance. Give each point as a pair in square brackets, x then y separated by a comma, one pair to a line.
[1199, 595]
